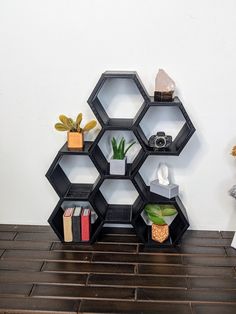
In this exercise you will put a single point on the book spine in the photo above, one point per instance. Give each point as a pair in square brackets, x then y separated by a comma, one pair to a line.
[76, 228]
[67, 226]
[85, 226]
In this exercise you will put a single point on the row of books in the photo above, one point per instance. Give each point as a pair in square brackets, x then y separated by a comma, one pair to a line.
[77, 224]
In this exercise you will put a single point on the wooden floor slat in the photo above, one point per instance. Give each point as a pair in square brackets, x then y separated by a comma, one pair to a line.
[136, 281]
[38, 305]
[25, 245]
[83, 292]
[39, 274]
[41, 277]
[46, 255]
[137, 258]
[186, 295]
[88, 268]
[133, 307]
[104, 247]
[214, 309]
[20, 265]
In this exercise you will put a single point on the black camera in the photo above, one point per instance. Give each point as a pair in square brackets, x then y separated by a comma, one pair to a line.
[160, 140]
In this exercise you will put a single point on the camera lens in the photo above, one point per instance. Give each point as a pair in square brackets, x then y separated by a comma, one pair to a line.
[160, 142]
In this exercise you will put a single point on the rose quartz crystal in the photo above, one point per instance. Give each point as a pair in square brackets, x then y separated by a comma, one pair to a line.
[164, 83]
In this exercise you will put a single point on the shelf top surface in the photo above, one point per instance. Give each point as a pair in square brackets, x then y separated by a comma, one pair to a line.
[76, 151]
[175, 102]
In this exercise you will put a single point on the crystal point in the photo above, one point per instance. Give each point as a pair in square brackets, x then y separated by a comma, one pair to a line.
[164, 83]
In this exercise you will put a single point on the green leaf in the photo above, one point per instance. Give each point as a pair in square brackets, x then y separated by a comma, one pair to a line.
[114, 147]
[120, 144]
[122, 148]
[61, 127]
[78, 122]
[79, 119]
[125, 152]
[156, 220]
[168, 211]
[90, 125]
[153, 209]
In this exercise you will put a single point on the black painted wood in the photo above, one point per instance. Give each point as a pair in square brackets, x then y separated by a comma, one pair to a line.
[124, 214]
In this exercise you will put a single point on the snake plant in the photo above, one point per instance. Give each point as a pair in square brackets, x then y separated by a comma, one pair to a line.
[119, 150]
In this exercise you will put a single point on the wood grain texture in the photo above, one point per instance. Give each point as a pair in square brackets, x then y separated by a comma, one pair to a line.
[38, 274]
[133, 307]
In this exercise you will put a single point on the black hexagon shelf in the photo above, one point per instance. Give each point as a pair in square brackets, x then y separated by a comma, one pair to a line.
[56, 221]
[116, 213]
[183, 135]
[99, 158]
[60, 181]
[92, 194]
[97, 106]
[177, 226]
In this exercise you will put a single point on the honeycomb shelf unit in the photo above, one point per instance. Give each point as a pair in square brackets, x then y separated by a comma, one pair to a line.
[104, 212]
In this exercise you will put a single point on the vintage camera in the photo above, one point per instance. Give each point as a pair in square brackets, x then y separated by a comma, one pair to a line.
[160, 140]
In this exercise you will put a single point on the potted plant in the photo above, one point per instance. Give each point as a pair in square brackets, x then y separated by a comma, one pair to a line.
[156, 213]
[75, 133]
[118, 161]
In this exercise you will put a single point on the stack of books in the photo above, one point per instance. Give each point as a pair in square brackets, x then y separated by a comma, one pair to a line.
[77, 224]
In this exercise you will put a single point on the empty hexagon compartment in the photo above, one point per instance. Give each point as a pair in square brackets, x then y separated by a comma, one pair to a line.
[102, 151]
[66, 182]
[168, 117]
[120, 204]
[56, 218]
[111, 96]
[178, 224]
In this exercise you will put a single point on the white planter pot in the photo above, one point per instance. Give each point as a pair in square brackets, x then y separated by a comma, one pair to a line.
[118, 166]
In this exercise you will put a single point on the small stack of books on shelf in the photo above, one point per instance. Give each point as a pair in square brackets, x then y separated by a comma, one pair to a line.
[77, 224]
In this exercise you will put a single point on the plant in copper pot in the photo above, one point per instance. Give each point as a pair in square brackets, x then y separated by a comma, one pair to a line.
[156, 214]
[75, 133]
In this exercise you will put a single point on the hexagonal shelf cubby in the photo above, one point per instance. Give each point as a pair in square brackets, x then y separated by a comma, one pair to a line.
[60, 177]
[56, 221]
[102, 151]
[104, 193]
[117, 200]
[110, 86]
[177, 225]
[169, 117]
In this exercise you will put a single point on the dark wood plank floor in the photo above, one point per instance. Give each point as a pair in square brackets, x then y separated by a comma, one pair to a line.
[116, 275]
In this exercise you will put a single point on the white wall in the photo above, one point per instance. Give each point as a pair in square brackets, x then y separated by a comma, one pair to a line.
[53, 52]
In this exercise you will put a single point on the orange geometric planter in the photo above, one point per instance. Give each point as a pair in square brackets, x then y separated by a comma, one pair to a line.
[160, 233]
[75, 140]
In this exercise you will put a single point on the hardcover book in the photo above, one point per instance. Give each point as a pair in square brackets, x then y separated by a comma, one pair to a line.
[76, 224]
[85, 224]
[67, 224]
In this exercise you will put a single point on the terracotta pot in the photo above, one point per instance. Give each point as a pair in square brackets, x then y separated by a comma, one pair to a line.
[75, 140]
[160, 233]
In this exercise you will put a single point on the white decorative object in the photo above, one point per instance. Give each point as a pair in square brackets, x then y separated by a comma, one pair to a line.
[162, 174]
[162, 185]
[118, 166]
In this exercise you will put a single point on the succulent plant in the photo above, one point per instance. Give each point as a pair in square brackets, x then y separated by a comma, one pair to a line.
[119, 150]
[233, 151]
[68, 124]
[156, 212]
